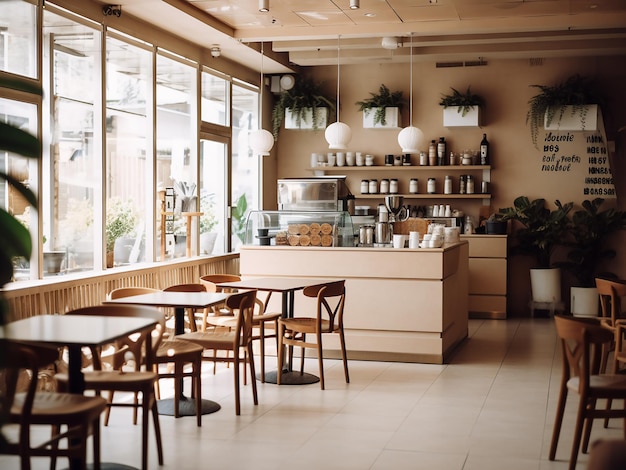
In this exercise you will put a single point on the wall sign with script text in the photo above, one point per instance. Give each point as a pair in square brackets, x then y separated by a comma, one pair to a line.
[582, 156]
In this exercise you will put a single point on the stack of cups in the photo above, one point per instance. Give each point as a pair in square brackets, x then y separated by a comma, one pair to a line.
[414, 239]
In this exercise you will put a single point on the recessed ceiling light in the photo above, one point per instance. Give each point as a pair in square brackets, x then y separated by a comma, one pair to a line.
[370, 15]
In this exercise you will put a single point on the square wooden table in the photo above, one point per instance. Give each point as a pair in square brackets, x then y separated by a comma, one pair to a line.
[287, 286]
[76, 332]
[179, 301]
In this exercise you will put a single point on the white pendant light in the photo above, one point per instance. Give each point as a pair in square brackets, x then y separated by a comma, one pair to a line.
[410, 137]
[338, 134]
[261, 141]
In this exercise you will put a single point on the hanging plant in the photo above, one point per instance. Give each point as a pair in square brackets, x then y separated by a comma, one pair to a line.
[577, 91]
[381, 101]
[305, 94]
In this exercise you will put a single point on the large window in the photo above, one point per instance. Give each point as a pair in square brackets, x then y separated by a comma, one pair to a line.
[128, 152]
[72, 188]
[215, 94]
[176, 148]
[18, 37]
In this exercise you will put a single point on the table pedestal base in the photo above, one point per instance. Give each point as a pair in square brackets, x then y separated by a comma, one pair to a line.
[290, 378]
[186, 406]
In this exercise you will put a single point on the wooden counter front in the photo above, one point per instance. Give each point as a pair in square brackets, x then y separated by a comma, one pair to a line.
[407, 305]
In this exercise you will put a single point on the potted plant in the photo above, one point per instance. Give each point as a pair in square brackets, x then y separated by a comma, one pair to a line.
[575, 98]
[588, 231]
[541, 232]
[303, 106]
[381, 108]
[496, 225]
[121, 220]
[461, 109]
[208, 222]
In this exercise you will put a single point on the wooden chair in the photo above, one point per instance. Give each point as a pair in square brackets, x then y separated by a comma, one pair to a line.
[328, 319]
[238, 341]
[129, 353]
[224, 318]
[190, 287]
[176, 354]
[79, 414]
[582, 343]
[611, 293]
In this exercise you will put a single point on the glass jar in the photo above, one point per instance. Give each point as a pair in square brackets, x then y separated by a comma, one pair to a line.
[373, 186]
[413, 186]
[462, 185]
[432, 186]
[393, 186]
[423, 159]
[470, 184]
[384, 186]
[365, 186]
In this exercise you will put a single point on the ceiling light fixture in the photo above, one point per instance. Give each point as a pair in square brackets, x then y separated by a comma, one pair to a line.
[410, 137]
[215, 51]
[264, 6]
[355, 4]
[338, 134]
[390, 43]
[261, 141]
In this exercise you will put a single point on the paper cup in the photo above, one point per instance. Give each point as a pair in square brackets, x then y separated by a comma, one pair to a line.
[399, 240]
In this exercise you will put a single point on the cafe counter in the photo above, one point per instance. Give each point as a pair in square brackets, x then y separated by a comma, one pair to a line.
[408, 305]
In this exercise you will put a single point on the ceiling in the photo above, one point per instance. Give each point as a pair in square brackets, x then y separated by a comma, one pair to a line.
[308, 32]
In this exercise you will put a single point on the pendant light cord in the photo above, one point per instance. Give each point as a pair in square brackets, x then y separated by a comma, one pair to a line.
[411, 80]
[261, 96]
[338, 68]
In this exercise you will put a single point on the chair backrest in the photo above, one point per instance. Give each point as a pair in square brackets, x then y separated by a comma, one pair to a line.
[133, 345]
[13, 358]
[121, 292]
[191, 287]
[210, 281]
[242, 305]
[611, 293]
[331, 297]
[582, 342]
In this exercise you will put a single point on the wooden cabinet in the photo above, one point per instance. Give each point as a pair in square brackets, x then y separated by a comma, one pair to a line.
[487, 275]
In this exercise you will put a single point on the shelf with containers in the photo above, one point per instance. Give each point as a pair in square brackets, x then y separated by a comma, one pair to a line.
[456, 171]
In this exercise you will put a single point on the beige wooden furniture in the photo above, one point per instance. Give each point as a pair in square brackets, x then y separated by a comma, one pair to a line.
[175, 354]
[79, 414]
[613, 317]
[422, 292]
[582, 341]
[487, 276]
[327, 319]
[133, 350]
[189, 287]
[238, 341]
[261, 319]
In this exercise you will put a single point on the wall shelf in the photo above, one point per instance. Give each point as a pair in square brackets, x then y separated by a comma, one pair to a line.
[426, 196]
[455, 168]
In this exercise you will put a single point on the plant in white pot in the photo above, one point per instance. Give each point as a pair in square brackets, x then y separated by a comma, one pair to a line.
[304, 106]
[542, 231]
[573, 104]
[382, 109]
[461, 109]
[589, 229]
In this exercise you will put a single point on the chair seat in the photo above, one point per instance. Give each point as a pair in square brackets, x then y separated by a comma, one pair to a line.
[229, 321]
[51, 406]
[177, 350]
[115, 380]
[307, 325]
[604, 385]
[211, 339]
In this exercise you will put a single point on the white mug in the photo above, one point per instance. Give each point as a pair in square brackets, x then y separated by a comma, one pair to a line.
[399, 240]
[350, 161]
[341, 159]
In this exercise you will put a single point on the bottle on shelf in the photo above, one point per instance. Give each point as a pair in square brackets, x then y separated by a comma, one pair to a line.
[393, 186]
[432, 153]
[441, 151]
[384, 186]
[470, 184]
[413, 186]
[447, 185]
[484, 151]
[432, 186]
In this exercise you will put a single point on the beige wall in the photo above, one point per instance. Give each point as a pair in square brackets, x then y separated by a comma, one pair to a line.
[516, 162]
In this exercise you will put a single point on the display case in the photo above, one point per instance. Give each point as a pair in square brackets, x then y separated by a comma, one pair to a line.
[299, 228]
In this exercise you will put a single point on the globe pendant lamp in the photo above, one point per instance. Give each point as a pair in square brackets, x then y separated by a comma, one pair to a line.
[261, 141]
[338, 134]
[410, 137]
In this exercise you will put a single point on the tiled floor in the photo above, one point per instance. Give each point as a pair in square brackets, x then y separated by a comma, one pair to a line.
[490, 408]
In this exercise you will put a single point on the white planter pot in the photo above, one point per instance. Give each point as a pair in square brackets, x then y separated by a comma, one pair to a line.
[453, 118]
[207, 242]
[392, 119]
[568, 118]
[584, 301]
[307, 119]
[546, 285]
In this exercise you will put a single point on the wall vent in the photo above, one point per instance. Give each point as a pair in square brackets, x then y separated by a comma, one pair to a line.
[535, 61]
[467, 63]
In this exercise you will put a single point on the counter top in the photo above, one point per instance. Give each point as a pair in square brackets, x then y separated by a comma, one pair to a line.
[445, 247]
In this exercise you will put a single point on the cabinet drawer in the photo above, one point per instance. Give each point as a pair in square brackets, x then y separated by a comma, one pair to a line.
[487, 276]
[486, 246]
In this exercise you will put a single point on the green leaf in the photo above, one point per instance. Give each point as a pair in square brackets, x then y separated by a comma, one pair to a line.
[19, 141]
[14, 237]
[21, 188]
